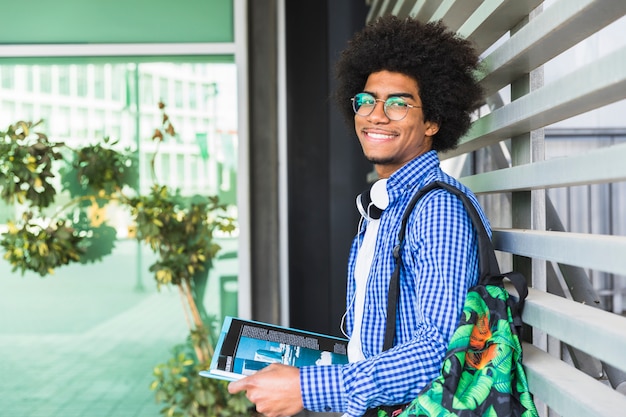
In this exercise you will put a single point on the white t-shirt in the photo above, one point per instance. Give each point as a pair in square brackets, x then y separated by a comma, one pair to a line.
[361, 274]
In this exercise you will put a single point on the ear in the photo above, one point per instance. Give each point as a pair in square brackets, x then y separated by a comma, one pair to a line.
[431, 128]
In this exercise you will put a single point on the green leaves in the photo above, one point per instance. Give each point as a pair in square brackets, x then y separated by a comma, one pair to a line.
[28, 163]
[30, 246]
[100, 170]
[180, 230]
[178, 384]
[26, 159]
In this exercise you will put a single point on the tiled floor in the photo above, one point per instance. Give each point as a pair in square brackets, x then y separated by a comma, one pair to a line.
[83, 343]
[105, 371]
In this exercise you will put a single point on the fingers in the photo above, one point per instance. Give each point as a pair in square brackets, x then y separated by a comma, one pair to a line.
[237, 386]
[275, 390]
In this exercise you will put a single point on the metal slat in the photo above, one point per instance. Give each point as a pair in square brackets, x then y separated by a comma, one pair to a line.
[426, 10]
[601, 166]
[374, 12]
[402, 8]
[597, 84]
[387, 7]
[455, 12]
[566, 390]
[604, 335]
[494, 18]
[598, 252]
[553, 31]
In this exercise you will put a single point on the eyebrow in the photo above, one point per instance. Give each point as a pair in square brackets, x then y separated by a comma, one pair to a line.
[404, 95]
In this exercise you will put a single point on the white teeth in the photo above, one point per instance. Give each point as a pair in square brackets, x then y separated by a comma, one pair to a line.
[379, 135]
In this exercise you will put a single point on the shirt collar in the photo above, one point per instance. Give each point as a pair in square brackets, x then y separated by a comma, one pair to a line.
[411, 175]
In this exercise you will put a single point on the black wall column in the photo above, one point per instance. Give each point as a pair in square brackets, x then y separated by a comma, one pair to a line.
[326, 168]
[263, 150]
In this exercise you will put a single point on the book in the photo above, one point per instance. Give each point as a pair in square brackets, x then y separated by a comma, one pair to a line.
[246, 346]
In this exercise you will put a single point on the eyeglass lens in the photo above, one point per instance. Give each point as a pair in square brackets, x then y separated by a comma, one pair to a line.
[395, 108]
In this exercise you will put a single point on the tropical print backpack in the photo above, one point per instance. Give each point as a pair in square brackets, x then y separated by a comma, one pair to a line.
[482, 373]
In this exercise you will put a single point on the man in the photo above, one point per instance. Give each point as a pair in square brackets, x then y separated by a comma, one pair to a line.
[409, 90]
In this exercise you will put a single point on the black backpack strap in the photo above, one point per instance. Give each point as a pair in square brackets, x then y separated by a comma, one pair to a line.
[519, 282]
[487, 262]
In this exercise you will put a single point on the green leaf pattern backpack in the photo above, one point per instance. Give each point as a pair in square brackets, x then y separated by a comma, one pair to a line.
[482, 373]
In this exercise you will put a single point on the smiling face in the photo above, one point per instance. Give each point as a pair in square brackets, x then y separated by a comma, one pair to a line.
[390, 144]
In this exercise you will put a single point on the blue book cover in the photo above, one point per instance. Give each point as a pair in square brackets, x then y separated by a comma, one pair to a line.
[246, 346]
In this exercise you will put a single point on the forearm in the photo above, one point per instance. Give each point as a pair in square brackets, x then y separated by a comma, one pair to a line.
[392, 377]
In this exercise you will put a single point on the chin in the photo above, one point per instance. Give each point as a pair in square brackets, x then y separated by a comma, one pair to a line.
[380, 161]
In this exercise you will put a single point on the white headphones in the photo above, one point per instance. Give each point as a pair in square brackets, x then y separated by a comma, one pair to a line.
[372, 202]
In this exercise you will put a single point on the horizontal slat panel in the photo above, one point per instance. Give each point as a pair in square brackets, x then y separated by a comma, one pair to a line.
[597, 332]
[597, 84]
[423, 9]
[553, 31]
[403, 7]
[455, 12]
[387, 7]
[601, 166]
[568, 391]
[494, 18]
[598, 252]
[375, 8]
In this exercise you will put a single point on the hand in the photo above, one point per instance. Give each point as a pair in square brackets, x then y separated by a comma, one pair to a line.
[275, 390]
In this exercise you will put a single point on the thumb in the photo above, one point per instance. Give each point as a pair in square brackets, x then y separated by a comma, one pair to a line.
[237, 386]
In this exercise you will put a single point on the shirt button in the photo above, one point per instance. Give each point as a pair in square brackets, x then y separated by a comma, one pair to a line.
[327, 408]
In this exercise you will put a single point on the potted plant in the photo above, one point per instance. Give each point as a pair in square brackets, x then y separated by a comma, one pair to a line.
[180, 230]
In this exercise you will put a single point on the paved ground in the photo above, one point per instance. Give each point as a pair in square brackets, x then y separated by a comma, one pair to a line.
[84, 341]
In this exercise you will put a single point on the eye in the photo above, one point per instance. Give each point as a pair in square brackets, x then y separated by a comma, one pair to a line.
[364, 99]
[395, 102]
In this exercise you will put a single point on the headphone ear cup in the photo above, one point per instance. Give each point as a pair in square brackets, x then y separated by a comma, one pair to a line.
[365, 206]
[378, 194]
[373, 201]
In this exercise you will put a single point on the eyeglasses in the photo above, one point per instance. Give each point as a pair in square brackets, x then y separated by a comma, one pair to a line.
[396, 108]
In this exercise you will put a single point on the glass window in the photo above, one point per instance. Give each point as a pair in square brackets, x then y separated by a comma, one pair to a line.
[64, 80]
[28, 79]
[164, 90]
[60, 123]
[28, 111]
[83, 103]
[7, 114]
[8, 77]
[165, 167]
[147, 89]
[118, 83]
[180, 169]
[193, 96]
[99, 80]
[114, 128]
[178, 94]
[82, 82]
[45, 114]
[194, 173]
[80, 124]
[97, 127]
[45, 79]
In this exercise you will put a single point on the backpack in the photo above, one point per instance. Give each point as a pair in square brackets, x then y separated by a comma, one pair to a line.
[482, 372]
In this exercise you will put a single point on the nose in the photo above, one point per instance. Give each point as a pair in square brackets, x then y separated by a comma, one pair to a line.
[378, 114]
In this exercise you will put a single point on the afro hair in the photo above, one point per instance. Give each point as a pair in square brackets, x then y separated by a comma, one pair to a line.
[441, 62]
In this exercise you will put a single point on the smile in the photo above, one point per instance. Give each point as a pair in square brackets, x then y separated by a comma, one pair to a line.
[379, 135]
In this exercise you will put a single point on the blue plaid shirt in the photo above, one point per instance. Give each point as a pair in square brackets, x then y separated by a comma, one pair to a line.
[439, 265]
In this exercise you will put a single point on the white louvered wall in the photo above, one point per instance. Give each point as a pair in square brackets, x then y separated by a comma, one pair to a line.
[574, 254]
